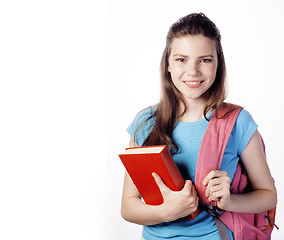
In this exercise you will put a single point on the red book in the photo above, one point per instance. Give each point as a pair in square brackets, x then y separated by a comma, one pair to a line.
[141, 162]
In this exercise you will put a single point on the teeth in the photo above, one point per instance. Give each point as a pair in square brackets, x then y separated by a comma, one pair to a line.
[193, 83]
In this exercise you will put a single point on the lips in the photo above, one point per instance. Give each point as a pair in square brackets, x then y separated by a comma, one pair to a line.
[193, 84]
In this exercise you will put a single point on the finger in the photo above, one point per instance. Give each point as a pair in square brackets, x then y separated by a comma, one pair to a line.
[195, 195]
[216, 188]
[193, 190]
[163, 187]
[223, 186]
[213, 174]
[217, 183]
[213, 190]
[217, 195]
[187, 185]
[189, 188]
[190, 191]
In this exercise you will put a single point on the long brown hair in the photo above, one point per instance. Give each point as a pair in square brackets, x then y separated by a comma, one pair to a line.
[169, 106]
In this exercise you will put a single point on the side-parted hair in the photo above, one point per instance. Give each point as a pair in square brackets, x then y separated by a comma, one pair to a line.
[168, 108]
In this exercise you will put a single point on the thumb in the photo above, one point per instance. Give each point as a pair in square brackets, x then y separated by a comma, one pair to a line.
[163, 187]
[188, 186]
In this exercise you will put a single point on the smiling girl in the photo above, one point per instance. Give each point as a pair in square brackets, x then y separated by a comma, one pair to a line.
[193, 87]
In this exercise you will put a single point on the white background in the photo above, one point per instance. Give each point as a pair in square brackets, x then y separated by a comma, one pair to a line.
[52, 136]
[253, 47]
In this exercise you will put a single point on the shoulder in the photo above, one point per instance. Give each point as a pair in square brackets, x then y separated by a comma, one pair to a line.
[244, 117]
[243, 130]
[245, 122]
[144, 115]
[142, 124]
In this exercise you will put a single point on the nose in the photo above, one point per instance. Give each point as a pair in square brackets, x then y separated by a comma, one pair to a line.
[192, 69]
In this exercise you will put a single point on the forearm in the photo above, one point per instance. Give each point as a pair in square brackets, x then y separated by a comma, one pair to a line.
[253, 202]
[136, 211]
[176, 205]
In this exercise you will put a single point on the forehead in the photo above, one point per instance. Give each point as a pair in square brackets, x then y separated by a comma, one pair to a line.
[193, 45]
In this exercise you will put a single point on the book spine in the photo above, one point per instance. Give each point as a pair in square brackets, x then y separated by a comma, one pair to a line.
[177, 181]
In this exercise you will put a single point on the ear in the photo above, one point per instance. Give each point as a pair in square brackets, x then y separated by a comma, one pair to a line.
[169, 69]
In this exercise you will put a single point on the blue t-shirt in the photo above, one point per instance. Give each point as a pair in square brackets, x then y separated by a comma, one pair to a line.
[188, 136]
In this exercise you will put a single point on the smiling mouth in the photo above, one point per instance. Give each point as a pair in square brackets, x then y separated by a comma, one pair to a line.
[193, 84]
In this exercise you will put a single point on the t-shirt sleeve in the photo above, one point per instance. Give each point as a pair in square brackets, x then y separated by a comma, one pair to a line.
[141, 126]
[243, 130]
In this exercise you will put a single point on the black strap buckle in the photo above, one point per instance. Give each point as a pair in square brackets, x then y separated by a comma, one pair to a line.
[213, 210]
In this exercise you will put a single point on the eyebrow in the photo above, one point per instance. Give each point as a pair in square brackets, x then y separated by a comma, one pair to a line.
[184, 56]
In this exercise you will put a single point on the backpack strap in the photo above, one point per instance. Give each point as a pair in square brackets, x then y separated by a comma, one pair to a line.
[210, 157]
[213, 145]
[222, 230]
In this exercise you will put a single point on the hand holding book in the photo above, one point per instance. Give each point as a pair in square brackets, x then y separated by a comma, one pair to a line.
[179, 204]
[141, 162]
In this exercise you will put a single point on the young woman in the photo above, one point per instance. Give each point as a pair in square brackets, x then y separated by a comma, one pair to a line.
[193, 87]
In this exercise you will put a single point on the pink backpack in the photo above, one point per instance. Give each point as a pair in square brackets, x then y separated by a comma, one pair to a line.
[244, 226]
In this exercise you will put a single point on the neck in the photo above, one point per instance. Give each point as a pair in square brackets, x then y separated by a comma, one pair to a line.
[194, 111]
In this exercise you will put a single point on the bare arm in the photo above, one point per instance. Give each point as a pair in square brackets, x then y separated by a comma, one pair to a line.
[264, 195]
[133, 209]
[176, 204]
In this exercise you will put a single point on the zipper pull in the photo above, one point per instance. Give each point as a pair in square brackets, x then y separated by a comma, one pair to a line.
[270, 220]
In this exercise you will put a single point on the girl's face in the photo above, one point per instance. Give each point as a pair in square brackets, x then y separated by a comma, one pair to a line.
[193, 64]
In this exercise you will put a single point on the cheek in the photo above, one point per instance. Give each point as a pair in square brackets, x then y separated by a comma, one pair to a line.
[176, 73]
[211, 73]
[176, 80]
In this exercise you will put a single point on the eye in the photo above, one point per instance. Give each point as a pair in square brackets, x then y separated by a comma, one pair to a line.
[206, 60]
[180, 60]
